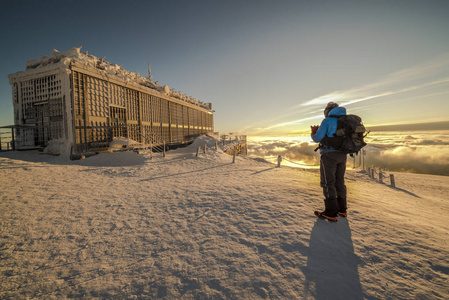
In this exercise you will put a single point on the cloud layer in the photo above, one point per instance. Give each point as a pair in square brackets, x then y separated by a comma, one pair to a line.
[419, 152]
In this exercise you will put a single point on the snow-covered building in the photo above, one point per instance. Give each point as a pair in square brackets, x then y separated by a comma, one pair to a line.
[87, 101]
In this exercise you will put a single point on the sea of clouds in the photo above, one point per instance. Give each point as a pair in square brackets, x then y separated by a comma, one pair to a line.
[416, 152]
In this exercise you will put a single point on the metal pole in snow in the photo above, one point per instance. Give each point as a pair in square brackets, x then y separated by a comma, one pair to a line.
[13, 140]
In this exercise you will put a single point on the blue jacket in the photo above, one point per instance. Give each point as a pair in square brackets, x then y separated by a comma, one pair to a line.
[329, 127]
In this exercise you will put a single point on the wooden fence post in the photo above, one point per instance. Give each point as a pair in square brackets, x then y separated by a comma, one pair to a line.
[197, 151]
[372, 173]
[204, 148]
[216, 145]
[363, 159]
[392, 182]
[380, 175]
[164, 150]
[279, 161]
[233, 157]
[368, 170]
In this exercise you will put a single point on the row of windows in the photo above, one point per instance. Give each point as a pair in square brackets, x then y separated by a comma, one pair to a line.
[172, 122]
[41, 89]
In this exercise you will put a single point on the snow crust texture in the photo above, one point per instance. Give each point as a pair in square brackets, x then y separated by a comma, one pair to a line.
[119, 225]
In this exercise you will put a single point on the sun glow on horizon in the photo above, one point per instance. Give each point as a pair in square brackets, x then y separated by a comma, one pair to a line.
[381, 102]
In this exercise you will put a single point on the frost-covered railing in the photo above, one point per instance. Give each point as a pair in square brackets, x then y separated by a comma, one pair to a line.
[234, 142]
[12, 137]
[150, 140]
[154, 143]
[6, 143]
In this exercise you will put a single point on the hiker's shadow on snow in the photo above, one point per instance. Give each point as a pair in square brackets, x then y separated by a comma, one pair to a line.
[332, 266]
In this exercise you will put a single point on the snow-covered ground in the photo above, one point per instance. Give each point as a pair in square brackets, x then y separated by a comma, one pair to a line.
[123, 226]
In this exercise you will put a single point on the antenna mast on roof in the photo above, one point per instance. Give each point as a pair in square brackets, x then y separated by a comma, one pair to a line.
[149, 71]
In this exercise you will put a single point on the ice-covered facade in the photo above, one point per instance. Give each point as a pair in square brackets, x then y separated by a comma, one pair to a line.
[87, 101]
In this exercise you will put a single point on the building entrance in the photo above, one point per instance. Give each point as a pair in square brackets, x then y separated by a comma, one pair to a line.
[117, 121]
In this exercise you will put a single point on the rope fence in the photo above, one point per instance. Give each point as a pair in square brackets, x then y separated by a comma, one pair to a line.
[375, 172]
[292, 162]
[372, 171]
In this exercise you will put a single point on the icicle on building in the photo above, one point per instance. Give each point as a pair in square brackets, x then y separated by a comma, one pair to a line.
[87, 101]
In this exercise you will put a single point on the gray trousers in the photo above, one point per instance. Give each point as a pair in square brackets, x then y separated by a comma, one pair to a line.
[332, 170]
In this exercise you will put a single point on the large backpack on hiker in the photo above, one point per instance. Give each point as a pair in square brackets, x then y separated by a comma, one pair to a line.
[349, 136]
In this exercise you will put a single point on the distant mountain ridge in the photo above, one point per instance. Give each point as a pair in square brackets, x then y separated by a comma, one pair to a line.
[444, 125]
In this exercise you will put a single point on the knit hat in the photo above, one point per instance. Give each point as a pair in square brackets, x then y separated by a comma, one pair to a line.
[330, 106]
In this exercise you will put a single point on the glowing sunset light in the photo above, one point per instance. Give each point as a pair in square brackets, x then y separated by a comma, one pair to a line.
[267, 67]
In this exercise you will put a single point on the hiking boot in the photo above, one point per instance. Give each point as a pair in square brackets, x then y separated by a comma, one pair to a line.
[342, 205]
[342, 214]
[324, 216]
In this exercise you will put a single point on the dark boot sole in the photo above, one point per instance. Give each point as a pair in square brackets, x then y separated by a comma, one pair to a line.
[329, 219]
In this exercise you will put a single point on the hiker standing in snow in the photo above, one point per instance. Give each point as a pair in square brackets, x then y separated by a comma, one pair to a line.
[332, 165]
